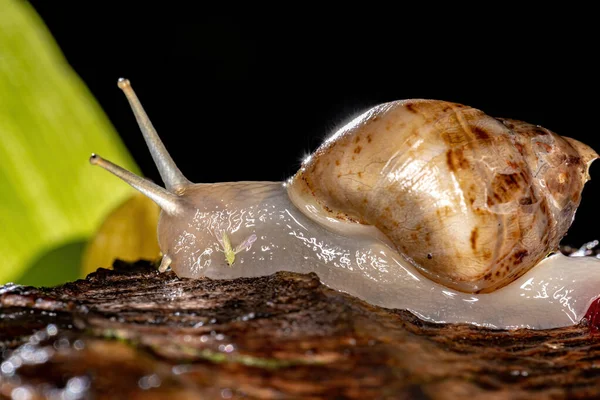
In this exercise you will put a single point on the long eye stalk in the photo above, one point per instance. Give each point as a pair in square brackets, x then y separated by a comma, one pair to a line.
[174, 180]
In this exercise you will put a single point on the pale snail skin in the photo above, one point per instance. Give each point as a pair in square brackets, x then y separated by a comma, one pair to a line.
[309, 225]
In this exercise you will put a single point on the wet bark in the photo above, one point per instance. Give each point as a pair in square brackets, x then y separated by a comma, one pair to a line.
[134, 333]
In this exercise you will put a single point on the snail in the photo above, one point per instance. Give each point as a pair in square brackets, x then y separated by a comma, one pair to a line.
[423, 205]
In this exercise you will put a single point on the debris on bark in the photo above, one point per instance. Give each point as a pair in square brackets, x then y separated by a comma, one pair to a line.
[134, 333]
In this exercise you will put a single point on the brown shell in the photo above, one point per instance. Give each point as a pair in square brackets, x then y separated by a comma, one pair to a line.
[472, 200]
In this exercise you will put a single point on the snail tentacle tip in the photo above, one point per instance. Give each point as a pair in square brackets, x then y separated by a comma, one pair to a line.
[95, 159]
[123, 83]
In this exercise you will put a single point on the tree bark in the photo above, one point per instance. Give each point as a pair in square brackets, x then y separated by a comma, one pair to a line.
[134, 333]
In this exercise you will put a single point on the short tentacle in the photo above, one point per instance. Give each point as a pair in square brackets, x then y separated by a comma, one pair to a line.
[169, 202]
[165, 263]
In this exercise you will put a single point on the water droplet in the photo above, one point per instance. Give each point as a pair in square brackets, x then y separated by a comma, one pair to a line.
[7, 368]
[51, 330]
[62, 343]
[181, 369]
[21, 393]
[248, 316]
[79, 344]
[229, 348]
[41, 356]
[149, 382]
[77, 385]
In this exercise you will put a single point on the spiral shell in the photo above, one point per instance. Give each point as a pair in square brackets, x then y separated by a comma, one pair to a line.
[471, 200]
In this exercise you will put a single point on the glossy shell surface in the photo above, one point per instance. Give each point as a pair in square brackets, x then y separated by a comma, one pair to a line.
[472, 201]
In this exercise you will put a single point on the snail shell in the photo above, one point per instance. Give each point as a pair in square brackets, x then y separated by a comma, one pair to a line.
[472, 201]
[408, 202]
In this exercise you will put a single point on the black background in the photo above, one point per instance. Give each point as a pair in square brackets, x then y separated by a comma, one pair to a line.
[246, 94]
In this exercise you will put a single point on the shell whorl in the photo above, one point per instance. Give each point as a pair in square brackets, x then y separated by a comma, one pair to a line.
[473, 201]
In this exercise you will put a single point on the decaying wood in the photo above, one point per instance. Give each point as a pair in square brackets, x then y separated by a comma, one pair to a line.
[135, 333]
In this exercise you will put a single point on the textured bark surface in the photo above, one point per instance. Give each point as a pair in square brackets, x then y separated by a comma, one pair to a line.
[134, 333]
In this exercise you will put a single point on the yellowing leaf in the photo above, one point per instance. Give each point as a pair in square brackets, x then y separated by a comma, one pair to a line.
[129, 233]
[49, 125]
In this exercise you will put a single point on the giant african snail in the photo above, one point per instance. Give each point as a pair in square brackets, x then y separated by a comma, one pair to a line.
[415, 204]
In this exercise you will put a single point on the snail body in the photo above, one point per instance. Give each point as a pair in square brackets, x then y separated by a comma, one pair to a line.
[370, 215]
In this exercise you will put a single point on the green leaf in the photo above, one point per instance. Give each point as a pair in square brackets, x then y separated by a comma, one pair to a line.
[49, 125]
[62, 260]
